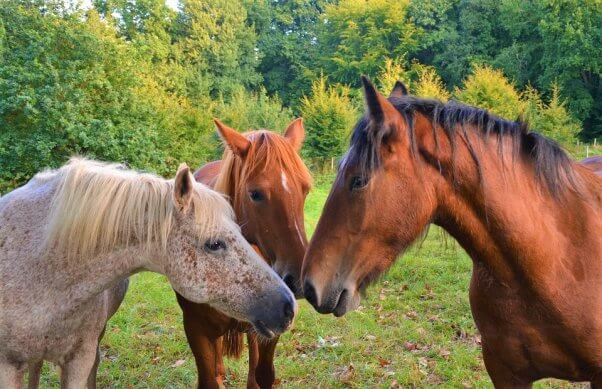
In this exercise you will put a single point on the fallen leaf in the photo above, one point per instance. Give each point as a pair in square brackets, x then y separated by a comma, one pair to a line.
[383, 362]
[444, 353]
[344, 373]
[411, 315]
[179, 362]
[409, 346]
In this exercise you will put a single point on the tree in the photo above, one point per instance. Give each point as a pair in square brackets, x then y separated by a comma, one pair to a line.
[429, 85]
[551, 119]
[253, 111]
[69, 85]
[391, 72]
[488, 88]
[357, 36]
[287, 44]
[216, 46]
[329, 115]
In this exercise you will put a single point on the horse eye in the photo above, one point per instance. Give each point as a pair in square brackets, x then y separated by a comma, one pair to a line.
[215, 245]
[256, 195]
[358, 182]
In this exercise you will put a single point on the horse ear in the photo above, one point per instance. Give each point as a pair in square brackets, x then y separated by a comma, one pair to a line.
[235, 141]
[379, 109]
[295, 133]
[399, 90]
[183, 187]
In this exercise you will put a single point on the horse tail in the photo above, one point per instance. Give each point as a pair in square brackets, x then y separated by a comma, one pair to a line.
[233, 343]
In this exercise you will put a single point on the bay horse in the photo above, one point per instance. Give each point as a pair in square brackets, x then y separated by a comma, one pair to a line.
[70, 234]
[529, 217]
[266, 181]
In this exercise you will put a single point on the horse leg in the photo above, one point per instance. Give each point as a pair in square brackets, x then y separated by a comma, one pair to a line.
[500, 374]
[597, 382]
[76, 371]
[204, 349]
[11, 376]
[219, 361]
[253, 360]
[33, 376]
[94, 371]
[265, 373]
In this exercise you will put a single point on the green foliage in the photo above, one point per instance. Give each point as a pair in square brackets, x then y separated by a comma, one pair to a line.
[65, 89]
[329, 115]
[216, 46]
[391, 72]
[535, 43]
[488, 88]
[421, 80]
[551, 119]
[429, 85]
[69, 87]
[252, 111]
[138, 81]
[287, 41]
[357, 36]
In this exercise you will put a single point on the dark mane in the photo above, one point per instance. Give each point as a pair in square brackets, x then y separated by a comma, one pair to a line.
[552, 165]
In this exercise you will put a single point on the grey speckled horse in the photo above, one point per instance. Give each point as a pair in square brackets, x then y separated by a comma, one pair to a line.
[70, 238]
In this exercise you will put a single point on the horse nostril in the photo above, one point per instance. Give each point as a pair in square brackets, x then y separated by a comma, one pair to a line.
[310, 293]
[290, 282]
[289, 311]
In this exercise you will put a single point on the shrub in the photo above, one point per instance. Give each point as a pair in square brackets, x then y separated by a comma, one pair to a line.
[253, 110]
[488, 88]
[552, 119]
[329, 115]
[429, 85]
[391, 72]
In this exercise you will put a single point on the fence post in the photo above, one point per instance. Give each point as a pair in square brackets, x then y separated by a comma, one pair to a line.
[586, 151]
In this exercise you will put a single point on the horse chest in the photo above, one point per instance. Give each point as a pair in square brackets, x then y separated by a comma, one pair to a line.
[523, 335]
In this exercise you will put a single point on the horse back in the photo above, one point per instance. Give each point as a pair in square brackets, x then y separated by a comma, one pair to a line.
[594, 163]
[207, 174]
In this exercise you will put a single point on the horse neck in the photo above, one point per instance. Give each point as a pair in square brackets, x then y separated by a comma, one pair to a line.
[85, 279]
[499, 213]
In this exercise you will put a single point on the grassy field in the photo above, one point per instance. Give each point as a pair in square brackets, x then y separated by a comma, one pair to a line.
[414, 330]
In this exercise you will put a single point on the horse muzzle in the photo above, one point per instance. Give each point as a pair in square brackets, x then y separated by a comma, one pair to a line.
[337, 300]
[272, 315]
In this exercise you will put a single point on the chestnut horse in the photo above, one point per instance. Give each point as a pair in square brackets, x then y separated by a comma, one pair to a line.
[266, 182]
[528, 216]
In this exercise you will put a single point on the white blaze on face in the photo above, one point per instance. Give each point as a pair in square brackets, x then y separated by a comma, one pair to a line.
[298, 232]
[284, 182]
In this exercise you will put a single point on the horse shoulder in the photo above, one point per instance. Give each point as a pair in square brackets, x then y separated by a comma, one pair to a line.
[207, 174]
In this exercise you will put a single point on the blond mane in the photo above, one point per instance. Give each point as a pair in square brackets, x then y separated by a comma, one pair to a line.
[268, 151]
[97, 207]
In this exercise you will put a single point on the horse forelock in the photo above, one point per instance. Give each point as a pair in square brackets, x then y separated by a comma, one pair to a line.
[97, 207]
[269, 153]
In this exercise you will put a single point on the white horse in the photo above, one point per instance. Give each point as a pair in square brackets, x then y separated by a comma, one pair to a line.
[70, 237]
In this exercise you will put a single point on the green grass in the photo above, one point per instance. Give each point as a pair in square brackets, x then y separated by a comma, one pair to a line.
[414, 329]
